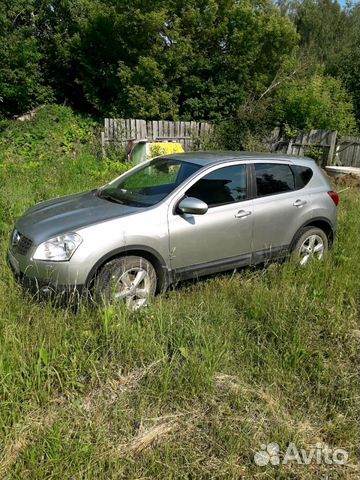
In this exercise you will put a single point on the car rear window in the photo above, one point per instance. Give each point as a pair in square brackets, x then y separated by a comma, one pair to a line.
[303, 175]
[272, 178]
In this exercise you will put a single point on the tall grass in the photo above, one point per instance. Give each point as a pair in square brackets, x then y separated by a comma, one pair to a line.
[191, 386]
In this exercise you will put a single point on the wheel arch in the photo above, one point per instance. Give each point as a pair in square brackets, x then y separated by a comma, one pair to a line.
[318, 222]
[157, 261]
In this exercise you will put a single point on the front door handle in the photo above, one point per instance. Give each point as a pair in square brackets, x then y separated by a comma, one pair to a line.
[299, 203]
[242, 214]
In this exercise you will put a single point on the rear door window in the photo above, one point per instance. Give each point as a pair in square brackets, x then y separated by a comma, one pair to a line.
[273, 178]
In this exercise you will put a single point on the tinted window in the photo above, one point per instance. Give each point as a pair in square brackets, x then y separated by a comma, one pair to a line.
[225, 185]
[273, 178]
[303, 175]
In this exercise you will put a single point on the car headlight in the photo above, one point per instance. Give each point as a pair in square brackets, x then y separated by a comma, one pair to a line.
[59, 248]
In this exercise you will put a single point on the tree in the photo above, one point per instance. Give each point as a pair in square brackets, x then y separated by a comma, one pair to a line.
[330, 36]
[223, 50]
[22, 83]
[320, 102]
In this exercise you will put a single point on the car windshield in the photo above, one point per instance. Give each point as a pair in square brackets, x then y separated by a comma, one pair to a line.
[151, 184]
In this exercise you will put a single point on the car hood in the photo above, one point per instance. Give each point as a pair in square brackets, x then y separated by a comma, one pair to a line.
[65, 214]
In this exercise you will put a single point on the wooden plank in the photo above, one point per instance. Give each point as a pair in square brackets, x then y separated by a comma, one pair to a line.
[103, 151]
[160, 128]
[177, 129]
[332, 139]
[187, 134]
[142, 128]
[118, 130]
[171, 129]
[107, 123]
[192, 127]
[123, 129]
[182, 129]
[182, 134]
[106, 128]
[148, 126]
[133, 132]
[128, 128]
[112, 130]
[166, 128]
[289, 147]
[155, 126]
[190, 141]
[356, 158]
[136, 130]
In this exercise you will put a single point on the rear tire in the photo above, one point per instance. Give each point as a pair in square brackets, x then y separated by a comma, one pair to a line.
[311, 243]
[131, 279]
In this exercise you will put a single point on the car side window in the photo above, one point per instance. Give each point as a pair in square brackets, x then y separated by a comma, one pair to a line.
[272, 178]
[303, 175]
[221, 186]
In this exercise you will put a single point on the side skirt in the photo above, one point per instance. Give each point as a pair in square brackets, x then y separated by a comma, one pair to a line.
[208, 268]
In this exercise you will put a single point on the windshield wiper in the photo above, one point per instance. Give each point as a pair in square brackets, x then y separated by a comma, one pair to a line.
[107, 196]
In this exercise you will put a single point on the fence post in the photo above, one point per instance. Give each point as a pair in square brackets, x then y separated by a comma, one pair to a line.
[333, 138]
[289, 147]
[103, 152]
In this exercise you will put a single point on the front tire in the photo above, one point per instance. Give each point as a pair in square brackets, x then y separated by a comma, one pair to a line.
[131, 279]
[310, 243]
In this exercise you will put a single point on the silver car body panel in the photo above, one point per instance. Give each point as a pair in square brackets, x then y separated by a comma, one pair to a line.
[192, 244]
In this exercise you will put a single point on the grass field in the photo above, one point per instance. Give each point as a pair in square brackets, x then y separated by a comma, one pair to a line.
[193, 385]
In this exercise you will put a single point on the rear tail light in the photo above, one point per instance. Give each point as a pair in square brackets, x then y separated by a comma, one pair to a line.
[334, 197]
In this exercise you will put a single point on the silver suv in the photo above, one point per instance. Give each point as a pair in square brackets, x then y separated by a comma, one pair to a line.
[175, 217]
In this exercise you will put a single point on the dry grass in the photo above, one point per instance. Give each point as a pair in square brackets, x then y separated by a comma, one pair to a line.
[26, 432]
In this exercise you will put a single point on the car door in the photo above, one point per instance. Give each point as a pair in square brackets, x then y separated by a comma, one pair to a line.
[279, 209]
[220, 238]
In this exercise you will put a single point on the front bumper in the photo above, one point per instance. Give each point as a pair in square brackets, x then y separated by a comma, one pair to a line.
[43, 288]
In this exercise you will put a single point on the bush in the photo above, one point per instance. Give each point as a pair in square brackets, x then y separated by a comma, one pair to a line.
[320, 102]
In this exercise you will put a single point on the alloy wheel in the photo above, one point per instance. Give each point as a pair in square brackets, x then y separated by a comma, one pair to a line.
[312, 247]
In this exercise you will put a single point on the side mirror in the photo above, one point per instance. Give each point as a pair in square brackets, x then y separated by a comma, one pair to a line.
[192, 205]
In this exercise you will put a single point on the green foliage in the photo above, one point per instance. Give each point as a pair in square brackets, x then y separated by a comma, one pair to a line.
[247, 129]
[22, 83]
[56, 153]
[319, 102]
[317, 153]
[330, 36]
[54, 132]
[347, 66]
[150, 60]
[219, 60]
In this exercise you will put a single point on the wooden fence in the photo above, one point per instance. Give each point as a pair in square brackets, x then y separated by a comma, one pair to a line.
[330, 148]
[119, 131]
[348, 152]
[324, 140]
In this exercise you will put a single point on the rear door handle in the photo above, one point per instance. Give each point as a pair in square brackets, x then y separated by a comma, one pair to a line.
[242, 214]
[299, 203]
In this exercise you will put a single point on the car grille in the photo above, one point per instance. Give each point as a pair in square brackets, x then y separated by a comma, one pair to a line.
[22, 244]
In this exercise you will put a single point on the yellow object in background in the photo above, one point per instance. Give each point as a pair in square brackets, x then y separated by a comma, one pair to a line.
[142, 150]
[164, 148]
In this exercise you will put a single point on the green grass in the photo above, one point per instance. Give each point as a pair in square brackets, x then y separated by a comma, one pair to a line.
[191, 386]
